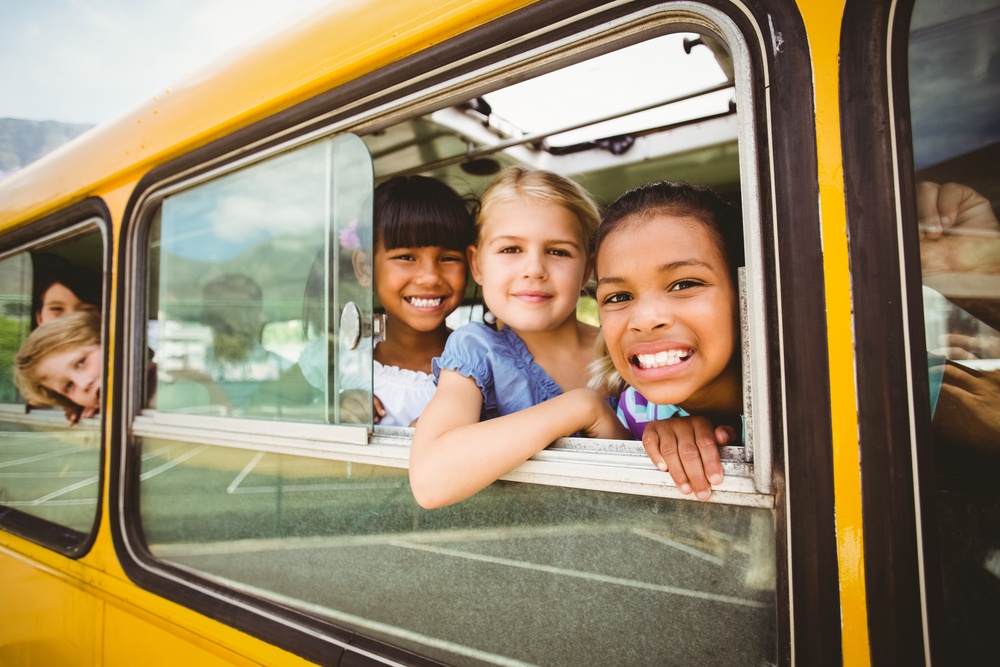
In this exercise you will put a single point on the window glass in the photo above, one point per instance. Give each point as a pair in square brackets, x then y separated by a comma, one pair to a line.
[520, 573]
[48, 468]
[16, 289]
[954, 65]
[250, 274]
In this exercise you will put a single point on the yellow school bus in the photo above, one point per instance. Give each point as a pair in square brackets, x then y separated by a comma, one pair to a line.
[212, 516]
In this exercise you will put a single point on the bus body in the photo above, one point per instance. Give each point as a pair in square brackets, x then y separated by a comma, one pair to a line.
[223, 513]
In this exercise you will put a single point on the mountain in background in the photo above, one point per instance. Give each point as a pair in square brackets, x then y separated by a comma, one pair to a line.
[24, 141]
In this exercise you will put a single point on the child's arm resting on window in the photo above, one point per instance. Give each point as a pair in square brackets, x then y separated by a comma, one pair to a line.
[688, 447]
[454, 455]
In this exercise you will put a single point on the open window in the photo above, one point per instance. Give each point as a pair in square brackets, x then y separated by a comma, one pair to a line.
[606, 122]
[291, 503]
[50, 470]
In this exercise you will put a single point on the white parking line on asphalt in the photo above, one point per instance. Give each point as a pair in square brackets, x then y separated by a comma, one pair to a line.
[291, 488]
[167, 466]
[156, 452]
[376, 626]
[691, 551]
[591, 576]
[38, 457]
[13, 438]
[71, 487]
[47, 475]
[51, 503]
[243, 473]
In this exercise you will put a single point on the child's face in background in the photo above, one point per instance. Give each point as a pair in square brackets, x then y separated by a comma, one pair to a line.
[419, 287]
[669, 311]
[75, 373]
[59, 300]
[532, 262]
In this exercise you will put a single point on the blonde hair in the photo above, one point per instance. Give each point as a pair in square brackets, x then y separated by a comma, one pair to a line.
[63, 334]
[604, 377]
[516, 183]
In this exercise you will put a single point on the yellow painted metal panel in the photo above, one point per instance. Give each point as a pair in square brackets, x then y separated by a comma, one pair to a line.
[58, 611]
[131, 640]
[823, 20]
[45, 619]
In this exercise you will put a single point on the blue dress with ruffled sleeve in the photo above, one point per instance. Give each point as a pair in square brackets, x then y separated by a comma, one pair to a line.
[502, 367]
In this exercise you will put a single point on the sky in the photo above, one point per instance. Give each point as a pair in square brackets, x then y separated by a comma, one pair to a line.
[87, 61]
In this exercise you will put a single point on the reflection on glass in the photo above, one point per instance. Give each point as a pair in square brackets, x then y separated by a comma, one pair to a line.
[518, 574]
[246, 287]
[955, 92]
[352, 185]
[51, 471]
[15, 318]
[953, 61]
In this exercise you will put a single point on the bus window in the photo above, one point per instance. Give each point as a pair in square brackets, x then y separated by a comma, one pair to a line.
[604, 122]
[49, 469]
[954, 84]
[248, 273]
[566, 558]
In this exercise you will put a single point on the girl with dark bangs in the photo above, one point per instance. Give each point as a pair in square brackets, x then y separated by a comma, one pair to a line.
[421, 232]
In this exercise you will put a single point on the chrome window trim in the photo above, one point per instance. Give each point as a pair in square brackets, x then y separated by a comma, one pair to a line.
[61, 235]
[615, 466]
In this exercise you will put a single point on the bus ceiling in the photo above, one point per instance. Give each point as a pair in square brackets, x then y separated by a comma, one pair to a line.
[609, 112]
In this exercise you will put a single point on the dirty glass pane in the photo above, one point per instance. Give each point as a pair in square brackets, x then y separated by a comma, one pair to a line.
[47, 468]
[518, 574]
[247, 282]
[954, 95]
[15, 318]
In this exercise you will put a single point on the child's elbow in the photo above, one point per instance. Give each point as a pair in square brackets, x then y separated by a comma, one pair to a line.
[428, 494]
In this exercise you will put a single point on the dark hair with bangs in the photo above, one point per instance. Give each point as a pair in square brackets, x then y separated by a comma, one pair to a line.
[418, 211]
[84, 284]
[682, 200]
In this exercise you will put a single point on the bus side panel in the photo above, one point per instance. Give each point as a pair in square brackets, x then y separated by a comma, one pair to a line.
[131, 640]
[46, 620]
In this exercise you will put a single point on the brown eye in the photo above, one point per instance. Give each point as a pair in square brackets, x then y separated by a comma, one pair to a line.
[618, 297]
[685, 284]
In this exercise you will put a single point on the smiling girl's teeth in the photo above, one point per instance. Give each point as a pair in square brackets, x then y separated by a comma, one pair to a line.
[424, 303]
[662, 358]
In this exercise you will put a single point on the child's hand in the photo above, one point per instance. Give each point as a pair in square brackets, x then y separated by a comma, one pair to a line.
[604, 422]
[354, 407]
[688, 447]
[73, 415]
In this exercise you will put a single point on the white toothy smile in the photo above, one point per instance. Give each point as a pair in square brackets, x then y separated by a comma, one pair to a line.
[662, 358]
[424, 303]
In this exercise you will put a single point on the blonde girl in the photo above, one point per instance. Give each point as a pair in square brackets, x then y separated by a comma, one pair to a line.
[504, 395]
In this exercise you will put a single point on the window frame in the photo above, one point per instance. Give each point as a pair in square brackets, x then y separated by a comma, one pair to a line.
[90, 213]
[619, 466]
[796, 377]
